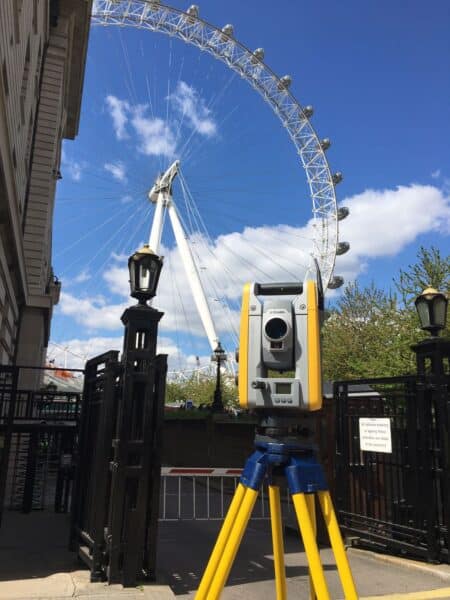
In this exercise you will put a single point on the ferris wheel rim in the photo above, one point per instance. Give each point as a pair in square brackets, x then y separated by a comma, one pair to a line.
[190, 28]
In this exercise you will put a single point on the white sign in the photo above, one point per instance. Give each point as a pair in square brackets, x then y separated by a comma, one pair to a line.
[375, 435]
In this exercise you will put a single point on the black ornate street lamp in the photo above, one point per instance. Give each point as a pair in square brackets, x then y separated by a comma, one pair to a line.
[431, 307]
[432, 353]
[219, 356]
[145, 268]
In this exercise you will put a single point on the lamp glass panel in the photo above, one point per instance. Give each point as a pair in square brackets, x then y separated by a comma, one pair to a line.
[132, 270]
[147, 274]
[440, 311]
[423, 310]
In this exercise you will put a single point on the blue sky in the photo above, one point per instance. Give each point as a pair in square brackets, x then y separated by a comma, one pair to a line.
[377, 75]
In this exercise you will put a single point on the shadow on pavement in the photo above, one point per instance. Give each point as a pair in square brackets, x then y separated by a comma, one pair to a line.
[35, 545]
[185, 546]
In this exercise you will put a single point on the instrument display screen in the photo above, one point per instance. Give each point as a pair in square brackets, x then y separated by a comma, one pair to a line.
[282, 388]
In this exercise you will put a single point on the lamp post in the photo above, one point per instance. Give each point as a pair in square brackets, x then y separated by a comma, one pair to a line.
[432, 352]
[138, 437]
[218, 357]
[432, 409]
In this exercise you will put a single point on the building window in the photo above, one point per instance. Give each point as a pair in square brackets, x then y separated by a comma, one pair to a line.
[35, 19]
[29, 142]
[17, 13]
[5, 78]
[24, 87]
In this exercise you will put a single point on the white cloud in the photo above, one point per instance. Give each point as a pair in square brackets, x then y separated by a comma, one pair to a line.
[72, 167]
[116, 278]
[75, 352]
[126, 199]
[82, 277]
[118, 110]
[191, 106]
[381, 223]
[436, 174]
[93, 313]
[156, 137]
[117, 170]
[121, 258]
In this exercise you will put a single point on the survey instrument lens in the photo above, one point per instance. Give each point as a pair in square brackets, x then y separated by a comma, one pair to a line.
[276, 329]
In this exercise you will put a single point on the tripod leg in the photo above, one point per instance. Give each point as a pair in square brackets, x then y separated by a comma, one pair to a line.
[217, 553]
[232, 544]
[277, 541]
[310, 501]
[309, 541]
[337, 544]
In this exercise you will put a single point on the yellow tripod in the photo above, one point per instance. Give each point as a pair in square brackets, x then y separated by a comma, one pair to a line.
[305, 479]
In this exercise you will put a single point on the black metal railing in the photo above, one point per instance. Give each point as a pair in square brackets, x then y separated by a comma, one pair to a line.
[395, 497]
[38, 435]
[37, 406]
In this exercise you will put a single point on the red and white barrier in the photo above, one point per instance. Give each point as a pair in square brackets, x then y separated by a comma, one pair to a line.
[200, 472]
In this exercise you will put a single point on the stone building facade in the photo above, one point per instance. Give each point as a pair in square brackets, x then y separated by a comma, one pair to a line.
[43, 46]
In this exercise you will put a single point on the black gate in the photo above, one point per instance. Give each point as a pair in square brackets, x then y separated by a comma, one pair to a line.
[38, 435]
[116, 498]
[395, 497]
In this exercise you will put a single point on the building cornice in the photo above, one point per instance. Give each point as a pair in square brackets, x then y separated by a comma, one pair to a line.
[79, 11]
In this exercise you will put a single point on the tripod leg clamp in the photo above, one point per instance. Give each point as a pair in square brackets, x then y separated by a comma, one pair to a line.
[255, 470]
[305, 476]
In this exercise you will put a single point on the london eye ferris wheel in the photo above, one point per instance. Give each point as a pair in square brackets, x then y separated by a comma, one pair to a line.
[221, 43]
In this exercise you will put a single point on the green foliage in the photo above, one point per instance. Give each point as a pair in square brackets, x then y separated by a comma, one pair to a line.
[201, 391]
[369, 332]
[430, 270]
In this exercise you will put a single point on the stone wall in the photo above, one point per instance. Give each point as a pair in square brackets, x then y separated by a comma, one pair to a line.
[42, 59]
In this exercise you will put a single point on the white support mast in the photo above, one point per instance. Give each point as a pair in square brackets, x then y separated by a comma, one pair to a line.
[161, 196]
[193, 277]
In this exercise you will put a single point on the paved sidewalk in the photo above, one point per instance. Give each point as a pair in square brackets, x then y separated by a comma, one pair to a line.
[36, 565]
[251, 577]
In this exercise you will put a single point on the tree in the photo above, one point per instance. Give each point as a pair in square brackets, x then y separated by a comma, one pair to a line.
[201, 391]
[366, 336]
[430, 270]
[369, 333]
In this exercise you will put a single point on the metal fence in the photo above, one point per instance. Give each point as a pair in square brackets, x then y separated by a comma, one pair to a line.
[395, 497]
[45, 406]
[38, 430]
[205, 494]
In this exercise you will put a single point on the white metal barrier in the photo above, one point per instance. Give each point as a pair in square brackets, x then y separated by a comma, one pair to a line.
[203, 494]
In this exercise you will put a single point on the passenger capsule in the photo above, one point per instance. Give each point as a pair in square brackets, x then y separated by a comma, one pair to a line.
[325, 143]
[308, 111]
[228, 30]
[342, 213]
[193, 10]
[259, 53]
[342, 248]
[337, 177]
[285, 82]
[336, 282]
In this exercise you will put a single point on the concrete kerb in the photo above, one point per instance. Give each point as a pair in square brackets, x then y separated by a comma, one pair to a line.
[442, 571]
[61, 586]
[158, 592]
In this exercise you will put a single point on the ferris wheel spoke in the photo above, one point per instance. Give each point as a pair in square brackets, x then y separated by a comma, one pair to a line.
[102, 248]
[90, 232]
